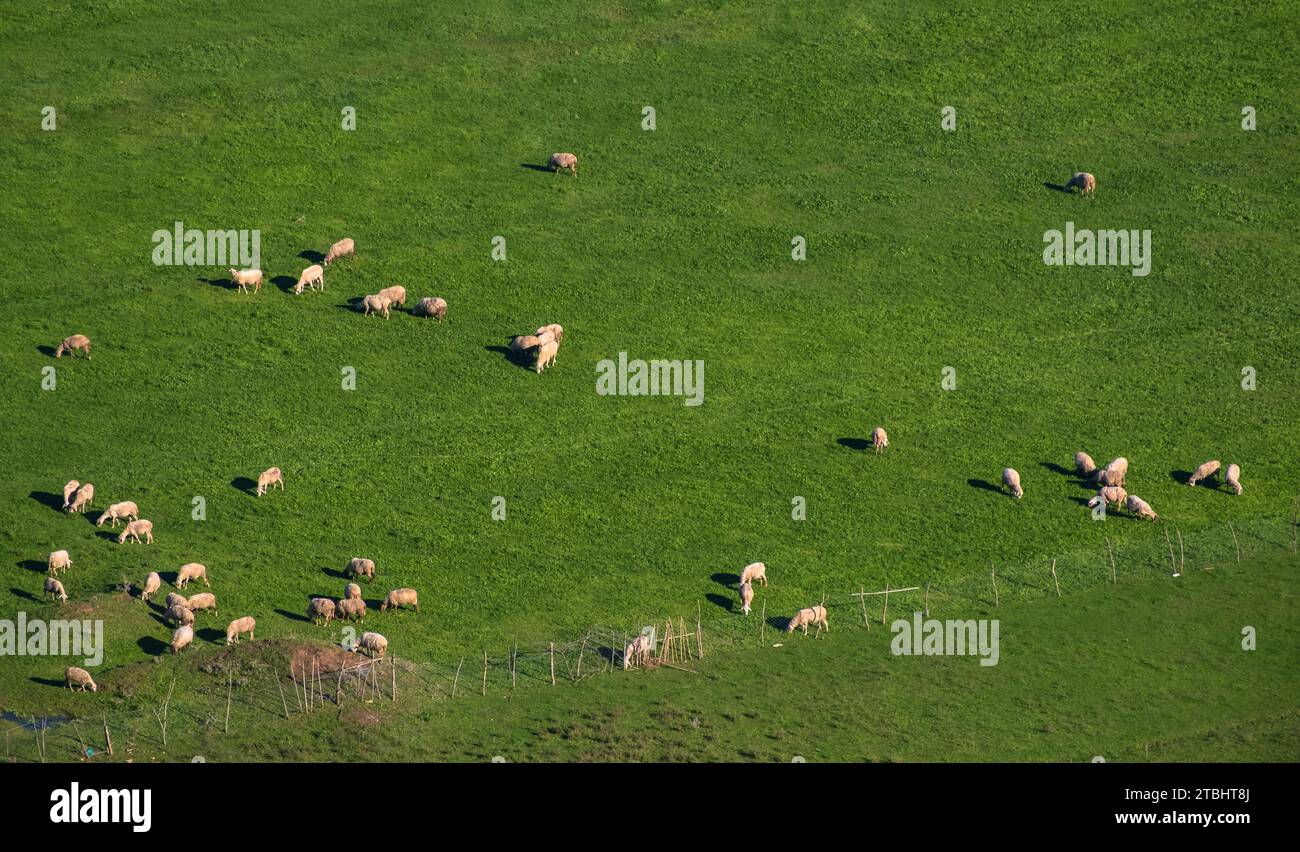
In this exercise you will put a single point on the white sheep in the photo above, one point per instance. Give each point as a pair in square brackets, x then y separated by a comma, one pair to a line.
[1011, 479]
[174, 599]
[546, 354]
[637, 651]
[59, 561]
[523, 344]
[321, 609]
[746, 597]
[376, 303]
[74, 343]
[555, 329]
[372, 643]
[79, 677]
[239, 626]
[1085, 182]
[1084, 464]
[313, 277]
[134, 529]
[1110, 495]
[395, 294]
[399, 598]
[353, 610]
[245, 278]
[68, 491]
[359, 567]
[1140, 507]
[202, 601]
[179, 614]
[343, 248]
[126, 510]
[1233, 478]
[879, 439]
[431, 306]
[192, 571]
[269, 477]
[1113, 473]
[55, 590]
[85, 494]
[809, 615]
[1205, 471]
[351, 592]
[561, 161]
[152, 583]
[182, 638]
[754, 571]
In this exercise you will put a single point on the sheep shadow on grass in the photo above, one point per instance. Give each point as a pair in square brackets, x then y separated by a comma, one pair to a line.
[47, 350]
[45, 498]
[244, 484]
[293, 616]
[50, 681]
[109, 535]
[152, 645]
[33, 565]
[223, 283]
[311, 256]
[779, 623]
[721, 600]
[24, 594]
[210, 634]
[519, 359]
[337, 573]
[985, 485]
[725, 578]
[1079, 480]
[536, 167]
[1056, 186]
[286, 283]
[859, 444]
[1182, 477]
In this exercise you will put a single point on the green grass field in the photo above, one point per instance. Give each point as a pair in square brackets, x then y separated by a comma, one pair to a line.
[924, 251]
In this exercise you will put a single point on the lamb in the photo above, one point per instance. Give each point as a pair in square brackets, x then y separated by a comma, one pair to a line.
[1233, 478]
[68, 491]
[312, 277]
[267, 478]
[555, 329]
[202, 601]
[1011, 479]
[85, 494]
[1084, 464]
[399, 598]
[546, 355]
[879, 439]
[182, 638]
[376, 303]
[173, 599]
[810, 615]
[152, 583]
[351, 592]
[372, 644]
[81, 678]
[179, 613]
[1139, 507]
[1086, 183]
[395, 294]
[239, 626]
[1111, 495]
[59, 561]
[192, 571]
[746, 597]
[55, 590]
[133, 530]
[431, 306]
[353, 609]
[1113, 473]
[358, 567]
[343, 248]
[245, 278]
[75, 343]
[126, 510]
[321, 609]
[561, 161]
[637, 651]
[754, 571]
[1205, 471]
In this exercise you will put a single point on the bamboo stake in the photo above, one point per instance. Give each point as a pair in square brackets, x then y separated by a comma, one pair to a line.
[862, 598]
[1235, 543]
[927, 600]
[578, 675]
[107, 737]
[456, 679]
[552, 646]
[884, 613]
[1173, 566]
[1113, 576]
[338, 688]
[485, 667]
[283, 703]
[1181, 559]
[514, 666]
[997, 601]
[230, 686]
[293, 678]
[1054, 579]
[699, 633]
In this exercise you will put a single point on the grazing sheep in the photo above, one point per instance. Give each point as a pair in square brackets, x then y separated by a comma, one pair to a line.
[358, 567]
[182, 638]
[522, 344]
[1084, 464]
[555, 329]
[1113, 473]
[810, 615]
[75, 343]
[85, 494]
[81, 678]
[1140, 507]
[746, 597]
[179, 614]
[351, 592]
[55, 590]
[372, 644]
[1233, 478]
[401, 597]
[68, 491]
[267, 478]
[1011, 479]
[395, 294]
[637, 651]
[1205, 471]
[1111, 495]
[133, 529]
[174, 599]
[247, 624]
[1086, 183]
[59, 561]
[126, 510]
[152, 583]
[313, 276]
[561, 161]
[353, 610]
[375, 303]
[343, 248]
[431, 306]
[754, 571]
[546, 354]
[321, 609]
[192, 571]
[245, 278]
[879, 439]
[202, 601]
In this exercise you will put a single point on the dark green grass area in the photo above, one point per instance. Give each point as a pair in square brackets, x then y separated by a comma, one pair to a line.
[924, 251]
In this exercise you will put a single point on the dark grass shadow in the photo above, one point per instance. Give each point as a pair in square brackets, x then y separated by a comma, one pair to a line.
[49, 681]
[607, 653]
[286, 283]
[47, 350]
[152, 645]
[518, 359]
[293, 616]
[311, 256]
[721, 600]
[1056, 468]
[108, 535]
[244, 484]
[1082, 501]
[535, 167]
[50, 501]
[211, 634]
[158, 617]
[353, 304]
[337, 573]
[724, 578]
[1182, 477]
[33, 565]
[224, 283]
[779, 622]
[859, 444]
[1056, 186]
[984, 484]
[24, 594]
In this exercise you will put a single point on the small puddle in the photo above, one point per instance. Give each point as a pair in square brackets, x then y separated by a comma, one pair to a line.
[34, 723]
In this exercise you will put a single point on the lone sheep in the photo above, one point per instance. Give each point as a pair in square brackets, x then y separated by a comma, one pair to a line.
[192, 571]
[85, 494]
[754, 571]
[746, 597]
[124, 511]
[358, 567]
[152, 583]
[75, 343]
[1205, 471]
[55, 590]
[376, 303]
[267, 478]
[240, 626]
[343, 248]
[181, 639]
[59, 561]
[810, 615]
[245, 278]
[1140, 507]
[1011, 479]
[431, 306]
[68, 491]
[395, 294]
[81, 678]
[1233, 478]
[312, 277]
[372, 643]
[399, 598]
[353, 610]
[321, 609]
[879, 440]
[1085, 182]
[561, 161]
[134, 529]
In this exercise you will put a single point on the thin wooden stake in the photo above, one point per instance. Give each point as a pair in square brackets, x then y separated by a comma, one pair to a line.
[107, 737]
[283, 703]
[1114, 578]
[485, 668]
[578, 674]
[1054, 578]
[338, 687]
[884, 613]
[552, 646]
[1181, 559]
[699, 633]
[230, 687]
[997, 601]
[1173, 566]
[456, 679]
[514, 666]
[862, 598]
[762, 621]
[1235, 543]
[927, 600]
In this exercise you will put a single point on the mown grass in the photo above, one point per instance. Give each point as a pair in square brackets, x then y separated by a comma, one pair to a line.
[822, 121]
